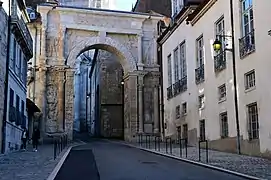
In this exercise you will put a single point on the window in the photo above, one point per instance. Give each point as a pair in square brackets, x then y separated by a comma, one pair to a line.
[169, 70]
[22, 106]
[202, 130]
[184, 108]
[200, 51]
[222, 92]
[220, 57]
[253, 122]
[201, 101]
[185, 131]
[224, 125]
[177, 111]
[250, 79]
[11, 97]
[176, 65]
[177, 5]
[183, 72]
[247, 42]
[199, 72]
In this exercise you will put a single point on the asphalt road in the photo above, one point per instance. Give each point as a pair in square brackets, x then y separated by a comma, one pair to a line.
[101, 160]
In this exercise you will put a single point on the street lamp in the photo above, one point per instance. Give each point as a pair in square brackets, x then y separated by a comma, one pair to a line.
[217, 45]
[122, 82]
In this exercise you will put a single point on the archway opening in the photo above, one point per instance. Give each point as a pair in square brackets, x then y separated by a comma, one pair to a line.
[99, 91]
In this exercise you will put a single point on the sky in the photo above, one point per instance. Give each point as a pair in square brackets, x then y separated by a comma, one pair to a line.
[124, 5]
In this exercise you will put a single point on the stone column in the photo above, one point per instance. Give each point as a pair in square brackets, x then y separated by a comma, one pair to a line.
[42, 100]
[156, 101]
[69, 102]
[156, 109]
[139, 47]
[130, 106]
[140, 102]
[60, 97]
[155, 60]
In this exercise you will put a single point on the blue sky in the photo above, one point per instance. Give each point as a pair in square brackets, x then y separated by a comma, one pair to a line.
[125, 5]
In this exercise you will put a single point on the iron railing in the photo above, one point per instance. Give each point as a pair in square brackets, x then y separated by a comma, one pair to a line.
[247, 44]
[180, 86]
[60, 143]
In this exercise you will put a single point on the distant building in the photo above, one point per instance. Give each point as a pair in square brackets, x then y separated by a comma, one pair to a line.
[159, 6]
[21, 50]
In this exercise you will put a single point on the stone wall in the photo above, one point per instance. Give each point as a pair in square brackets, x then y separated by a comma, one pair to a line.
[3, 51]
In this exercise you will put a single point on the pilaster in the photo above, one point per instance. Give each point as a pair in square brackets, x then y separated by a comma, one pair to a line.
[139, 47]
[140, 101]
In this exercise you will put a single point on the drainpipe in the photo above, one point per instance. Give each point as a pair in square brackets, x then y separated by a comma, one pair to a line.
[160, 61]
[6, 82]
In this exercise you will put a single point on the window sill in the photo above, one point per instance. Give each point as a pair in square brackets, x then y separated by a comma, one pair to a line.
[222, 100]
[250, 89]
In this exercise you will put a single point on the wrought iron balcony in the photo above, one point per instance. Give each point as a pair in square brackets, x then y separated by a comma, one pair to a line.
[169, 92]
[199, 74]
[220, 61]
[247, 44]
[22, 34]
[180, 86]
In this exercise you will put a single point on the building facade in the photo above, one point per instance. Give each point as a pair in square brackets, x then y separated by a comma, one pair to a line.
[20, 50]
[3, 57]
[198, 82]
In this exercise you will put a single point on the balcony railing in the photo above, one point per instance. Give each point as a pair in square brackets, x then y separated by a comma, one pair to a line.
[20, 30]
[247, 44]
[220, 61]
[169, 92]
[180, 86]
[199, 74]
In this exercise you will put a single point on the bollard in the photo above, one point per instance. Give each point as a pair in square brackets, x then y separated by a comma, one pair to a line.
[159, 141]
[170, 145]
[186, 142]
[207, 159]
[181, 150]
[55, 149]
[166, 145]
[155, 142]
[199, 151]
[149, 141]
[146, 141]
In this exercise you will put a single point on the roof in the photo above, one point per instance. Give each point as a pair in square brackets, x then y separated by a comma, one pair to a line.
[199, 6]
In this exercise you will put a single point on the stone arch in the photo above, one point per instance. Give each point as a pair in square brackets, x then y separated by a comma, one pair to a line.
[108, 44]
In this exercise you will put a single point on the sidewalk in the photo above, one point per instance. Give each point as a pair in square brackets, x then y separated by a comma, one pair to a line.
[252, 166]
[29, 165]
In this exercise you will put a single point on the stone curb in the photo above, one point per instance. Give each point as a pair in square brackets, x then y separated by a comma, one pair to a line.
[60, 163]
[192, 162]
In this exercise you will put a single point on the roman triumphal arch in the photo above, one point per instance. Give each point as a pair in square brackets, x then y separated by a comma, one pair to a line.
[65, 32]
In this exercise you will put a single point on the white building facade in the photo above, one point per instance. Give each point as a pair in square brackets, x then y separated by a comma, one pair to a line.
[198, 82]
[20, 51]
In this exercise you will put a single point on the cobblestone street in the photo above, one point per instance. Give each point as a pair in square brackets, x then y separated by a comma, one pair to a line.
[253, 166]
[29, 165]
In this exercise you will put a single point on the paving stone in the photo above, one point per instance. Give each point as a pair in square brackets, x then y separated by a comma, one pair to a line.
[29, 165]
[253, 166]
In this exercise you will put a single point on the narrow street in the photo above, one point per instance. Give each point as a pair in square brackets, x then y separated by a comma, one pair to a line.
[109, 161]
